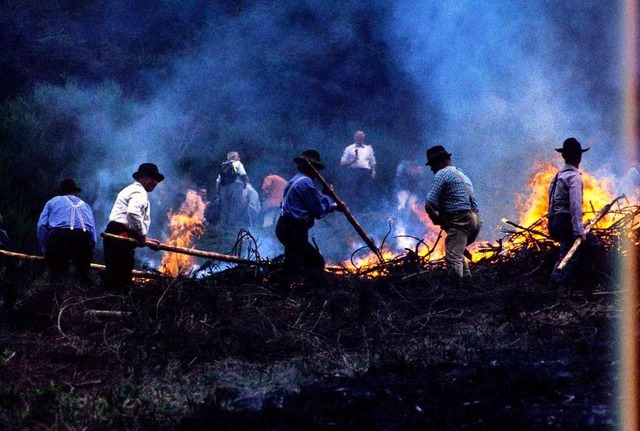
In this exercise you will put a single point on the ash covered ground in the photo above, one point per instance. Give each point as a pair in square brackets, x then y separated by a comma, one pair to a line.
[395, 352]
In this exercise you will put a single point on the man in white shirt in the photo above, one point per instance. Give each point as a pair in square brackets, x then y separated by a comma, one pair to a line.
[360, 161]
[130, 217]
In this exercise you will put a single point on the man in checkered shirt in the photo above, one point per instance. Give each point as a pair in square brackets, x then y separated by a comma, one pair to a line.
[451, 204]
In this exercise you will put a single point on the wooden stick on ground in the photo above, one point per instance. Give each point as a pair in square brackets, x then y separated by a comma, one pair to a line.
[190, 251]
[587, 229]
[343, 208]
[96, 266]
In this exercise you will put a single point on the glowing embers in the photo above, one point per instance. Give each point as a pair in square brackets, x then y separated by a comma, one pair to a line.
[185, 226]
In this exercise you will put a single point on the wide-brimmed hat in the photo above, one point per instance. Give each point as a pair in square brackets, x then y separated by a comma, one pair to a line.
[311, 156]
[571, 146]
[436, 153]
[150, 170]
[68, 186]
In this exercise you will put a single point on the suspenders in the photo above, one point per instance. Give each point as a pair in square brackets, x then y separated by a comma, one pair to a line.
[74, 211]
[287, 191]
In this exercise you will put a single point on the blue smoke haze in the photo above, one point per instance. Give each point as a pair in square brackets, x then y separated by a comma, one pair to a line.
[498, 83]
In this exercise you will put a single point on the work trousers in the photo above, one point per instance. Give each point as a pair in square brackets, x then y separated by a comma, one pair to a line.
[561, 230]
[299, 255]
[66, 246]
[119, 258]
[462, 229]
[359, 187]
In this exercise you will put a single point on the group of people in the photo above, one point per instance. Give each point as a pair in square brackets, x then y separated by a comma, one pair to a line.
[67, 232]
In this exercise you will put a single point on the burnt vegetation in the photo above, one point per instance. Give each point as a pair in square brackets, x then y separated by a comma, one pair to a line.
[401, 350]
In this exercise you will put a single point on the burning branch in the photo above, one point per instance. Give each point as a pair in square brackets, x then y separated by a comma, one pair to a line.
[189, 251]
[527, 229]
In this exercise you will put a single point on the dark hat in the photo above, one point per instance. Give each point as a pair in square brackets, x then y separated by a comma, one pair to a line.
[68, 186]
[150, 170]
[571, 146]
[312, 156]
[436, 153]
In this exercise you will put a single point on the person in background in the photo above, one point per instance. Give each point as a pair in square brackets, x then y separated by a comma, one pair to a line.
[565, 217]
[272, 188]
[67, 234]
[451, 204]
[230, 183]
[360, 161]
[130, 217]
[302, 204]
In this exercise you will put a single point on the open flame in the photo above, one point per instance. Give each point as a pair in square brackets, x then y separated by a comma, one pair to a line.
[531, 206]
[597, 192]
[185, 227]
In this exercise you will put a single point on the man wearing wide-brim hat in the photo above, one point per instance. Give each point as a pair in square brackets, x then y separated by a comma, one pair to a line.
[67, 234]
[565, 215]
[129, 217]
[302, 204]
[451, 204]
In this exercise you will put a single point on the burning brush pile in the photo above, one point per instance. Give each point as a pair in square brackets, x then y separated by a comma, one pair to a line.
[609, 218]
[387, 344]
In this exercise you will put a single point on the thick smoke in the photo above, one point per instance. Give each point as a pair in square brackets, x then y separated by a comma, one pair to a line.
[499, 84]
[511, 81]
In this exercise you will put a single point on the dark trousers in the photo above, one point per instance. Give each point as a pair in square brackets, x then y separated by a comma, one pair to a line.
[359, 185]
[119, 257]
[66, 246]
[561, 230]
[299, 255]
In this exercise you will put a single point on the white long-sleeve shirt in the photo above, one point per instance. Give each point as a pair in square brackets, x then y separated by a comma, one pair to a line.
[366, 157]
[132, 209]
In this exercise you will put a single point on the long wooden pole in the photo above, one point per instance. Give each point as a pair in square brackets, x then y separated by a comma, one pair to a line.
[587, 229]
[96, 266]
[190, 251]
[343, 208]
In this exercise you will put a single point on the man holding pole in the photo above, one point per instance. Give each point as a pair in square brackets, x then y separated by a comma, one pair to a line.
[565, 208]
[451, 204]
[130, 217]
[302, 203]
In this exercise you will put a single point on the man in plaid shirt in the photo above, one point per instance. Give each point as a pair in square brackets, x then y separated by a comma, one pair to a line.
[451, 204]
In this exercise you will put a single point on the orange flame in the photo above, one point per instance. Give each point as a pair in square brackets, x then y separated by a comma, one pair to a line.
[185, 227]
[597, 192]
[531, 206]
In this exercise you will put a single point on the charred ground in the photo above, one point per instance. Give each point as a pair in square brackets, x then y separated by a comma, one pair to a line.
[402, 351]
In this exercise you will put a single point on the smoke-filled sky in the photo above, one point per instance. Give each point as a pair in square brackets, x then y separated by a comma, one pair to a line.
[499, 84]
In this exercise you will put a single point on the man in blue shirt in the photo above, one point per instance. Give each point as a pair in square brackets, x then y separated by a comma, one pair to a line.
[66, 233]
[451, 204]
[302, 203]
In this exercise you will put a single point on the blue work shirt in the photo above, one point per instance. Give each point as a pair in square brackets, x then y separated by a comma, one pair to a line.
[301, 200]
[451, 191]
[65, 212]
